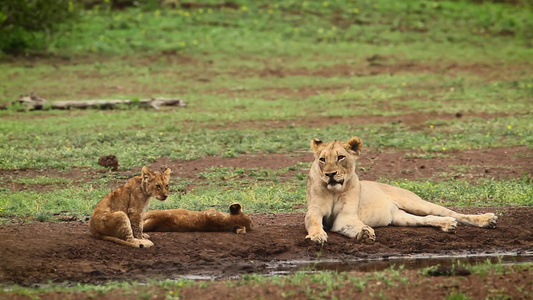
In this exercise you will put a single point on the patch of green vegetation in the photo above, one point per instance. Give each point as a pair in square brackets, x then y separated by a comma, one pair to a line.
[263, 27]
[313, 285]
[42, 180]
[457, 296]
[486, 192]
[53, 144]
[261, 194]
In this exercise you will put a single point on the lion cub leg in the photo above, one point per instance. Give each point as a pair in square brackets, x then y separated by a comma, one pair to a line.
[116, 227]
[402, 218]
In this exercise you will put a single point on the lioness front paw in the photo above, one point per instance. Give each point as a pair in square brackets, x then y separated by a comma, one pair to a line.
[319, 237]
[145, 236]
[366, 235]
[488, 220]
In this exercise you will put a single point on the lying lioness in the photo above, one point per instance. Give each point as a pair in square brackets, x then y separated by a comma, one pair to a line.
[184, 220]
[118, 216]
[338, 201]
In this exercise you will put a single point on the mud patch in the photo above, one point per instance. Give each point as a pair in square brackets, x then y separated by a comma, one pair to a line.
[40, 252]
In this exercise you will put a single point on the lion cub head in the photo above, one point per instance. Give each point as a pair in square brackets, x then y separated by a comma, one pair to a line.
[155, 183]
[336, 161]
[240, 221]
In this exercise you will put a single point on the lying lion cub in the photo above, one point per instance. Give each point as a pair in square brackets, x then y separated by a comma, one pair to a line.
[118, 216]
[208, 220]
[338, 201]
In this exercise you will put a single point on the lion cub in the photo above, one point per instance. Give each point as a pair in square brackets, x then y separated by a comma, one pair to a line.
[184, 220]
[118, 216]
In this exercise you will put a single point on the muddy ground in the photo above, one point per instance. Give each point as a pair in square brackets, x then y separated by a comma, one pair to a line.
[37, 253]
[64, 251]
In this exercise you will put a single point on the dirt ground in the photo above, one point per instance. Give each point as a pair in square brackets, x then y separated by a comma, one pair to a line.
[37, 253]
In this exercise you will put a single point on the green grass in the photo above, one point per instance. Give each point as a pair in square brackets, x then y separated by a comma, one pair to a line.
[261, 27]
[261, 191]
[54, 142]
[487, 192]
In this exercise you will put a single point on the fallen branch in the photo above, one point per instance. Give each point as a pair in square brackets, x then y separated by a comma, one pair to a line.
[34, 102]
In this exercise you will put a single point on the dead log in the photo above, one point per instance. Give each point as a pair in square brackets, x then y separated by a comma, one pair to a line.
[34, 102]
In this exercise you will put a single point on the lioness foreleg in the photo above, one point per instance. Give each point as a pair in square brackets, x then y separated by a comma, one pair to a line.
[314, 227]
[402, 218]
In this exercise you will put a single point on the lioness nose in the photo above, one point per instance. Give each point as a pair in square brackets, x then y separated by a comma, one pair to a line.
[331, 174]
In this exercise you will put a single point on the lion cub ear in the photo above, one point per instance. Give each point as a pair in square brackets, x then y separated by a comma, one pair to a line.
[235, 209]
[354, 144]
[167, 172]
[146, 173]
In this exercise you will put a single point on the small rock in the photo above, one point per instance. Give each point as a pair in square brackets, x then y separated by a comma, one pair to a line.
[109, 161]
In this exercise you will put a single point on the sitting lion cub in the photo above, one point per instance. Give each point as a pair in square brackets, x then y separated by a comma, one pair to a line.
[184, 220]
[118, 216]
[338, 201]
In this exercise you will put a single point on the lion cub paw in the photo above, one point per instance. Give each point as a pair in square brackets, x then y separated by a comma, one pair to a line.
[449, 224]
[488, 220]
[366, 235]
[142, 243]
[319, 237]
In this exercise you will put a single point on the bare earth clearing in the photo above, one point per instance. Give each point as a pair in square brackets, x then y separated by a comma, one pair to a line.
[40, 252]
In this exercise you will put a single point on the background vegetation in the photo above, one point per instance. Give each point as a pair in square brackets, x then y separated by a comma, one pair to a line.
[242, 64]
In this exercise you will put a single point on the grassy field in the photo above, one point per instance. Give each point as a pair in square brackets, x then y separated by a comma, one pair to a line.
[262, 62]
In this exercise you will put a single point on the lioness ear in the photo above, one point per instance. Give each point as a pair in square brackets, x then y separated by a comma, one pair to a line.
[316, 146]
[354, 144]
[235, 209]
[146, 173]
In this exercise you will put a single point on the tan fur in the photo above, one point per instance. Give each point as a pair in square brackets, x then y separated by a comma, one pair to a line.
[183, 220]
[338, 201]
[118, 216]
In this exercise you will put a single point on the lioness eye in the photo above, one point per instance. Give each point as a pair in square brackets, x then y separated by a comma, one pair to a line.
[340, 157]
[166, 186]
[158, 186]
[322, 159]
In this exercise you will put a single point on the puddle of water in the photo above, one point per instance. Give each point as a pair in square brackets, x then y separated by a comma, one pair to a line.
[408, 262]
[411, 262]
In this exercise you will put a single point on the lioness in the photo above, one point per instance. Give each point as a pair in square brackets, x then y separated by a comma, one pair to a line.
[184, 220]
[118, 216]
[338, 201]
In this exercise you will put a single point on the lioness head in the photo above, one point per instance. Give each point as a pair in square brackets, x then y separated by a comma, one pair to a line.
[156, 183]
[239, 219]
[336, 161]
